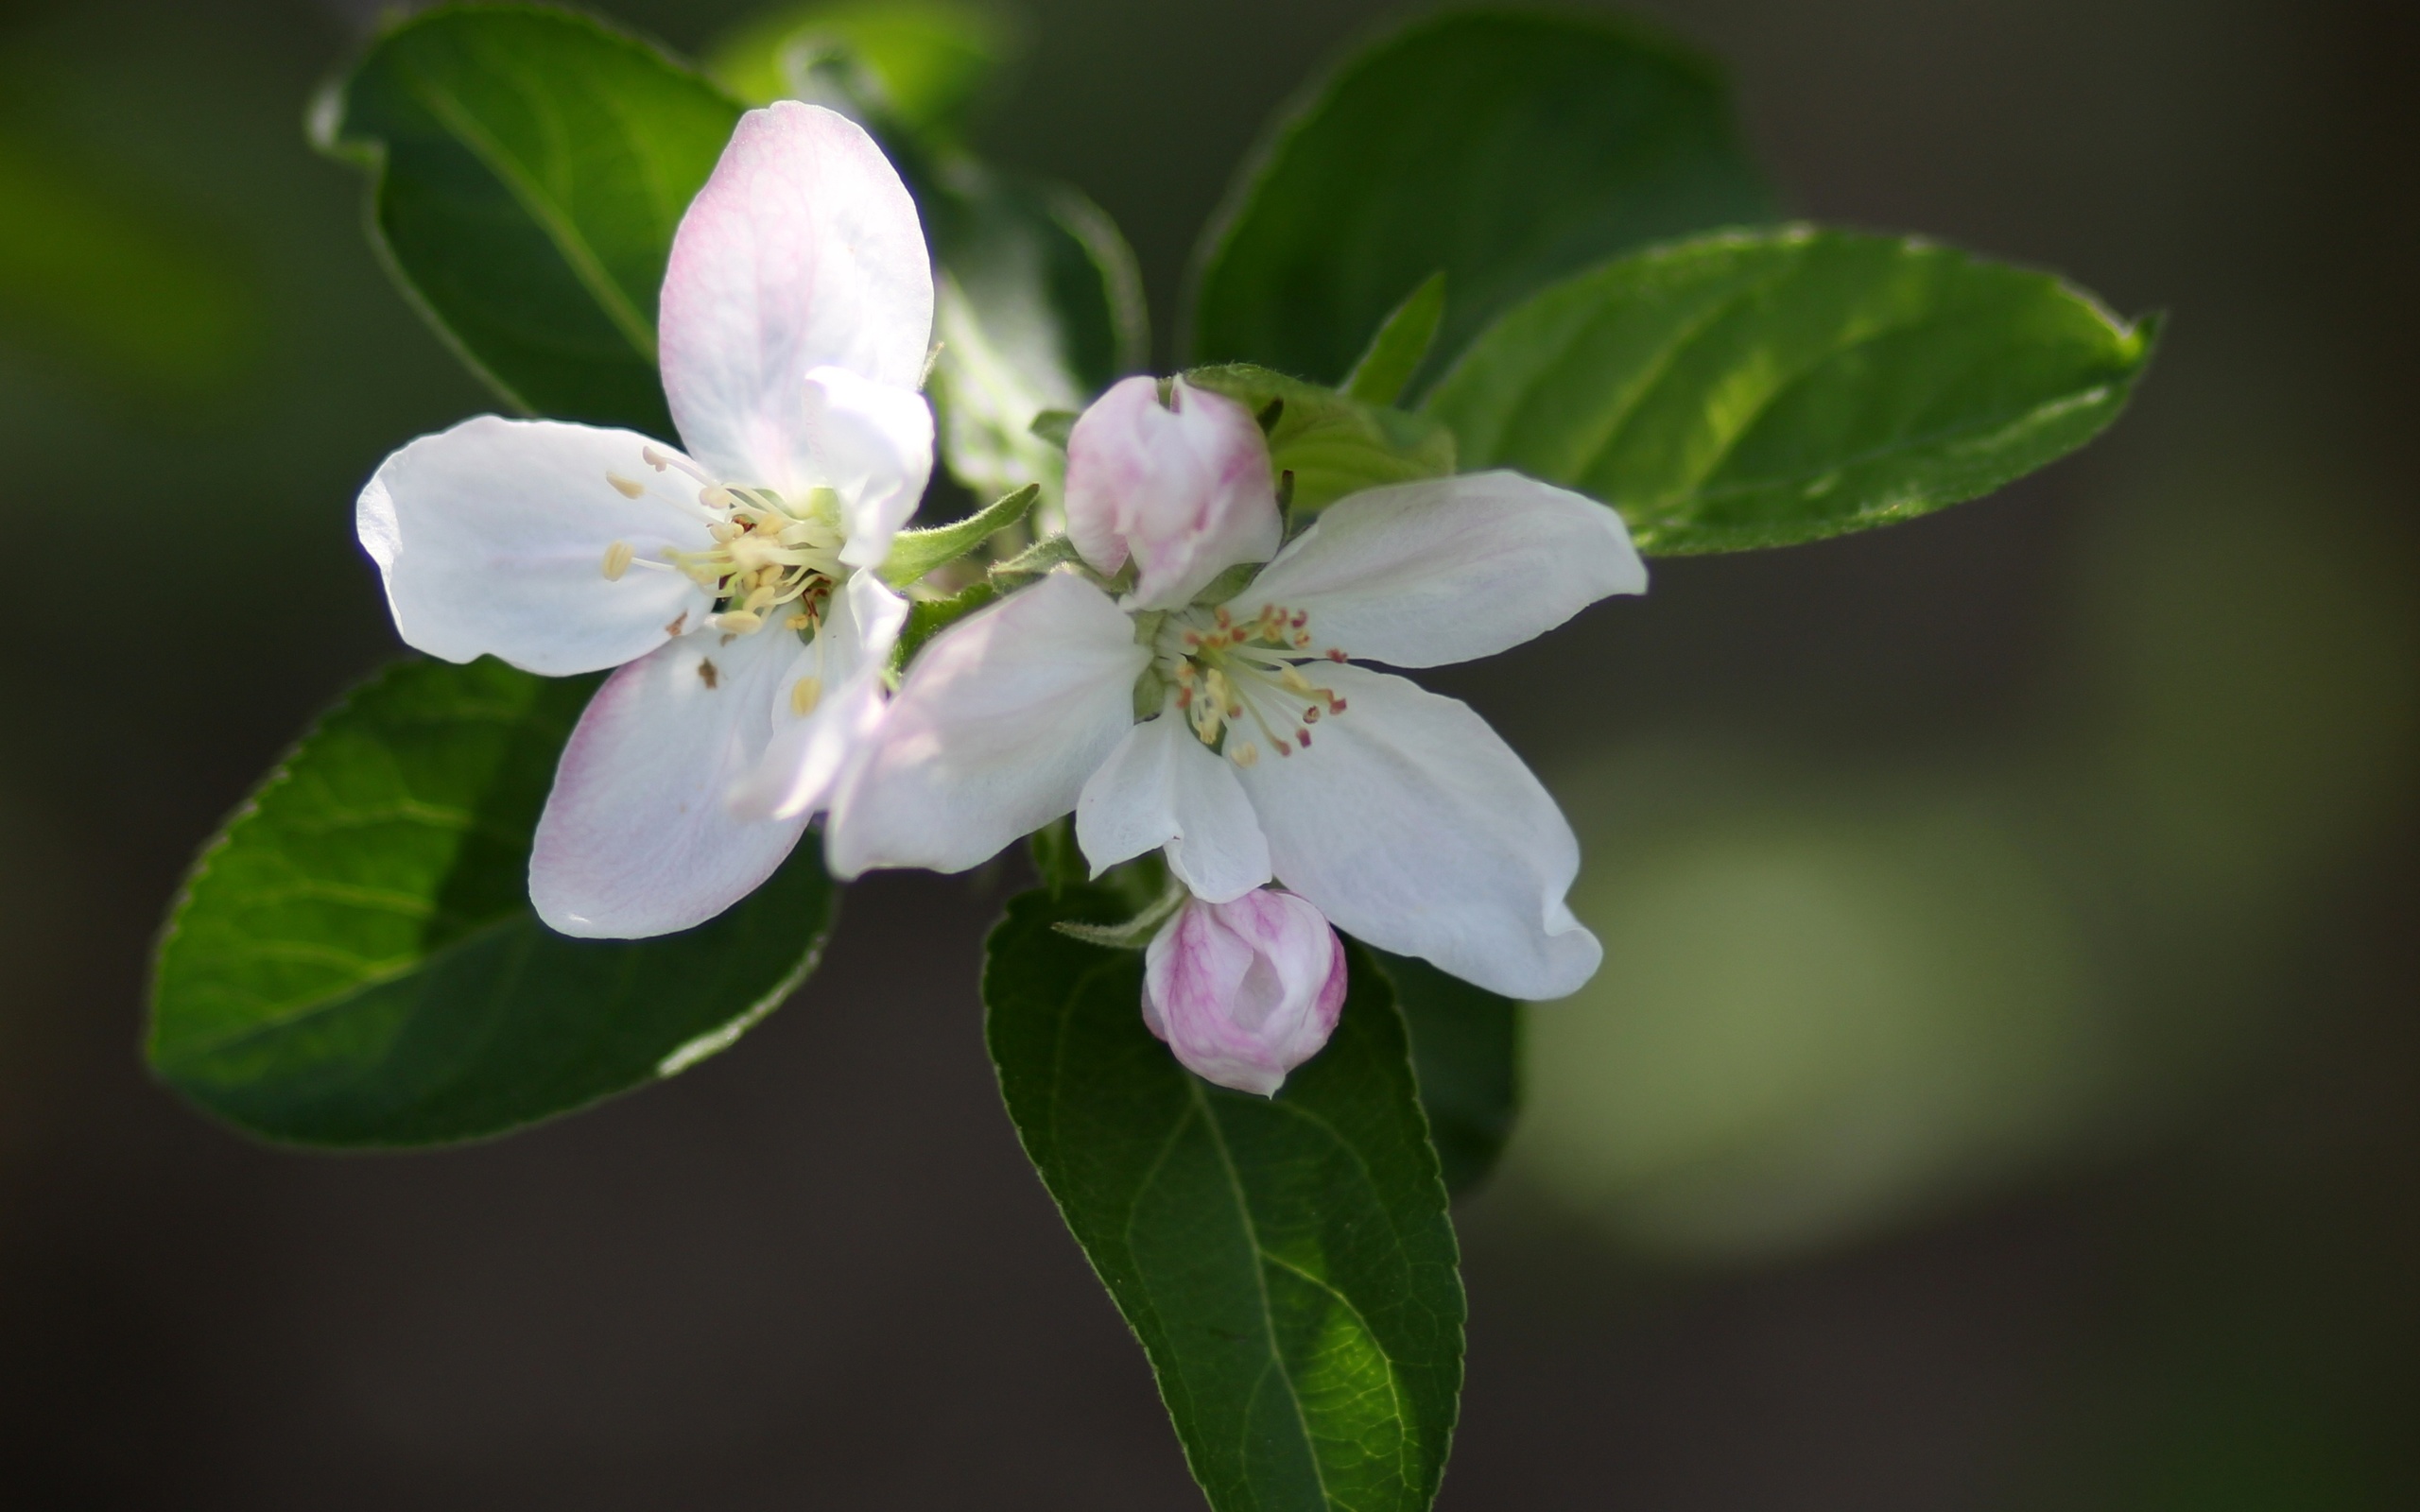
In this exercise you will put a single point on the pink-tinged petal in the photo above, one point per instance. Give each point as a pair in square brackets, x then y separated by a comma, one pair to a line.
[640, 836]
[812, 751]
[538, 542]
[1163, 787]
[1247, 991]
[874, 447]
[1420, 575]
[802, 251]
[1183, 487]
[1411, 824]
[1000, 720]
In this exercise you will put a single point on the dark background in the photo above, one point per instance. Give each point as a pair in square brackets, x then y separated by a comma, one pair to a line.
[2001, 1089]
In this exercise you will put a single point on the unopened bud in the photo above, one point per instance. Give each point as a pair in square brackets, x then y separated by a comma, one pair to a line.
[1182, 487]
[1244, 991]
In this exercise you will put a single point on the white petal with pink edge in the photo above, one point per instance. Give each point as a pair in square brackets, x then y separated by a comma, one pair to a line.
[1445, 569]
[640, 835]
[1411, 825]
[1163, 787]
[802, 251]
[1001, 719]
[872, 446]
[535, 541]
[827, 704]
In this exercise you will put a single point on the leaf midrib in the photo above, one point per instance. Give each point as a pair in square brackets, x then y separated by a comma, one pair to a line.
[194, 1052]
[541, 207]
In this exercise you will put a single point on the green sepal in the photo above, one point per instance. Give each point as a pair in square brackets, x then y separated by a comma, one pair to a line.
[929, 617]
[1055, 426]
[1031, 564]
[914, 553]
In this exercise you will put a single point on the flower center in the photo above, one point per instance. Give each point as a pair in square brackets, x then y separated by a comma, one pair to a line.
[1227, 671]
[772, 562]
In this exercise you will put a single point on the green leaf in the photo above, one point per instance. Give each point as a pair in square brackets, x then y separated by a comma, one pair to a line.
[1039, 307]
[914, 553]
[1465, 1046]
[355, 961]
[1402, 342]
[1505, 150]
[1759, 389]
[928, 58]
[1333, 445]
[528, 167]
[1287, 1262]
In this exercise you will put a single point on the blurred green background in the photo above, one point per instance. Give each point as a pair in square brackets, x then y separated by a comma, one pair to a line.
[2001, 1090]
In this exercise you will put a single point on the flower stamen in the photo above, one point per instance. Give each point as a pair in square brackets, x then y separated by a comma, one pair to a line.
[1225, 670]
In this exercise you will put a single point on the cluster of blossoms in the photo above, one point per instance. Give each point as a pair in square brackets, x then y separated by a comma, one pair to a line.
[1192, 683]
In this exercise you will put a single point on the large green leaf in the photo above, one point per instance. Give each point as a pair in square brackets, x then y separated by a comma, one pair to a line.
[1465, 1047]
[1759, 389]
[1287, 1262]
[528, 167]
[354, 960]
[1505, 150]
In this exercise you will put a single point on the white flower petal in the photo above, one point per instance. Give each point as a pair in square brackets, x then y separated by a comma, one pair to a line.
[802, 251]
[811, 752]
[1444, 570]
[1163, 787]
[493, 539]
[639, 836]
[1002, 717]
[1183, 487]
[1411, 825]
[873, 446]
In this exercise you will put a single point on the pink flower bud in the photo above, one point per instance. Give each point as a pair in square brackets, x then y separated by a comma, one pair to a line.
[1244, 991]
[1183, 487]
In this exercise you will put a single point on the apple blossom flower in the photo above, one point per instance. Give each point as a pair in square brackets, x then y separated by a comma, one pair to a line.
[1239, 732]
[728, 578]
[1245, 990]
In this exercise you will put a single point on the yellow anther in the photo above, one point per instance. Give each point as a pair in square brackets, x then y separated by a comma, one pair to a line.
[805, 693]
[1246, 754]
[726, 532]
[617, 561]
[738, 622]
[715, 496]
[624, 487]
[800, 622]
[761, 598]
[654, 458]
